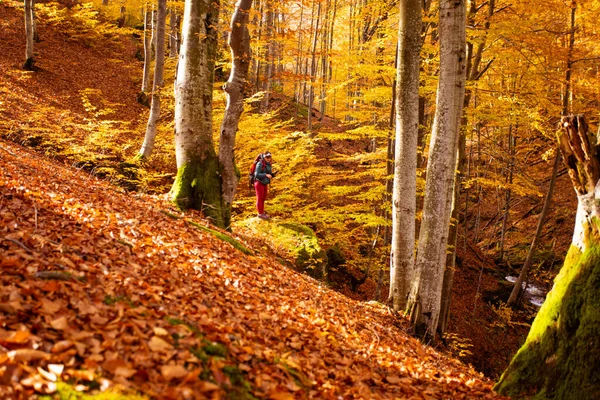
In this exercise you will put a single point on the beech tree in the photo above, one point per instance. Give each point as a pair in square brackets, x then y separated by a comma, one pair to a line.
[198, 181]
[425, 296]
[174, 36]
[405, 165]
[561, 354]
[29, 35]
[158, 82]
[239, 43]
[147, 47]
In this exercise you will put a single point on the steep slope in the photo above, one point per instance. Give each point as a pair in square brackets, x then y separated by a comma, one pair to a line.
[80, 103]
[80, 107]
[121, 289]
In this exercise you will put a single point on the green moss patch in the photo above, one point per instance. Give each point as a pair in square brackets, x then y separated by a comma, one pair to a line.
[222, 236]
[561, 355]
[210, 353]
[296, 241]
[67, 391]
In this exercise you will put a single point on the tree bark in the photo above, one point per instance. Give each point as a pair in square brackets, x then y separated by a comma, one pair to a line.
[198, 181]
[159, 65]
[405, 166]
[561, 355]
[269, 54]
[473, 74]
[508, 193]
[313, 68]
[174, 37]
[424, 299]
[36, 35]
[239, 43]
[147, 48]
[29, 36]
[298, 70]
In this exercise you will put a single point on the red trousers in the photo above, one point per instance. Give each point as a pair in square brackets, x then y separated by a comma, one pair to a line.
[261, 196]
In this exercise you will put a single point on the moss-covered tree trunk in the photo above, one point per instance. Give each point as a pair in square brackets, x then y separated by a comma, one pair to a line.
[561, 356]
[198, 182]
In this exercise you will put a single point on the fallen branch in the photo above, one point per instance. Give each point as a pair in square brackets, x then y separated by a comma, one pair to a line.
[21, 245]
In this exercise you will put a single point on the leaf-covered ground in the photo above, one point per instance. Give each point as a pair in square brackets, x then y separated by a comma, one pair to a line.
[83, 96]
[100, 287]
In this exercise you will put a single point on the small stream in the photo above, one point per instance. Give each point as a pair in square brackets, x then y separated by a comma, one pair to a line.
[534, 294]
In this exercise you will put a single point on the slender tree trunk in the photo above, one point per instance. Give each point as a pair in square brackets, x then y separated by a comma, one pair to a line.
[260, 53]
[198, 182]
[298, 76]
[122, 16]
[424, 300]
[508, 192]
[324, 57]
[405, 163]
[239, 43]
[561, 354]
[313, 68]
[153, 37]
[159, 68]
[269, 55]
[36, 35]
[174, 38]
[29, 36]
[147, 48]
[473, 74]
[516, 293]
[448, 279]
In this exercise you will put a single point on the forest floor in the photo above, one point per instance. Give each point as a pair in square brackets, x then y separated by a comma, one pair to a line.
[121, 289]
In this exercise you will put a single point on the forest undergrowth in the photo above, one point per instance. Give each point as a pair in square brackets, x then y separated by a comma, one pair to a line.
[80, 108]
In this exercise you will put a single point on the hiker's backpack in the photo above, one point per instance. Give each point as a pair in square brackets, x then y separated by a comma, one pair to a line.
[251, 177]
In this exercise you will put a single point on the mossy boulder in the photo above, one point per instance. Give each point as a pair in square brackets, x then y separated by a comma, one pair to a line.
[298, 241]
[561, 356]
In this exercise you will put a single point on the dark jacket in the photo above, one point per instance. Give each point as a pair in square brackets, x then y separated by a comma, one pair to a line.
[262, 169]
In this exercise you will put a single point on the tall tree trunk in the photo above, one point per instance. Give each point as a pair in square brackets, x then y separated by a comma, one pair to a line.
[269, 55]
[29, 36]
[298, 70]
[159, 68]
[153, 38]
[324, 57]
[313, 68]
[405, 159]
[36, 35]
[259, 37]
[561, 355]
[424, 300]
[450, 266]
[473, 74]
[147, 48]
[507, 195]
[239, 43]
[174, 37]
[198, 182]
